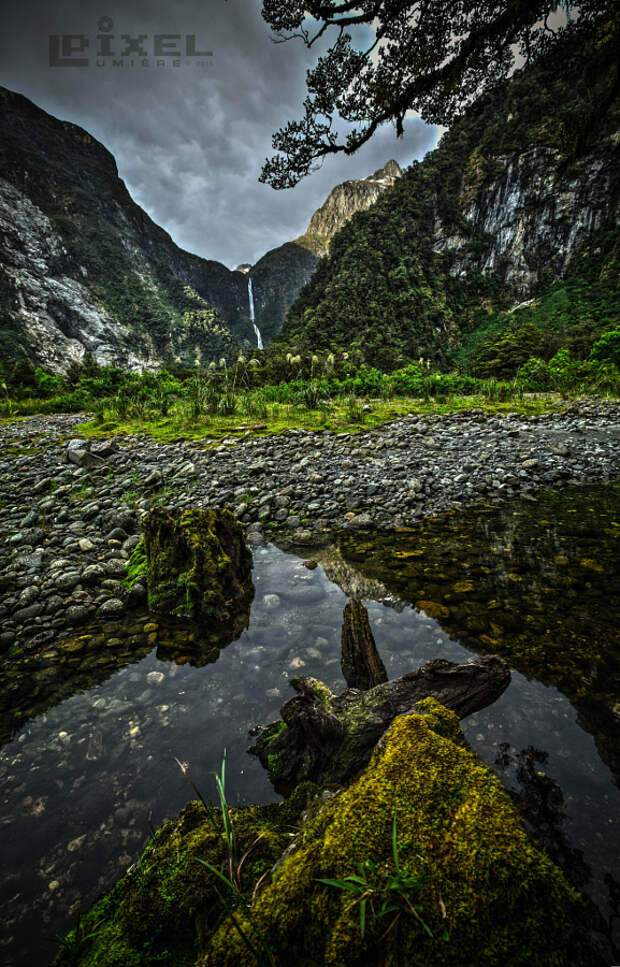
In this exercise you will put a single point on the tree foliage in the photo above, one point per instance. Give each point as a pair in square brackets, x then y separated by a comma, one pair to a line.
[389, 57]
[388, 289]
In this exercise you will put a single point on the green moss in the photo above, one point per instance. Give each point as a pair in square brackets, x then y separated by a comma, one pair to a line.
[274, 731]
[274, 764]
[198, 566]
[505, 902]
[136, 566]
[322, 692]
[164, 911]
[300, 799]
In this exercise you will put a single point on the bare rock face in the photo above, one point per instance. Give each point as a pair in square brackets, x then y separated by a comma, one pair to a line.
[345, 200]
[89, 270]
[57, 314]
[533, 211]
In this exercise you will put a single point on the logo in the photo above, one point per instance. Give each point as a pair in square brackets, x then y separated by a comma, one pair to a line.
[108, 49]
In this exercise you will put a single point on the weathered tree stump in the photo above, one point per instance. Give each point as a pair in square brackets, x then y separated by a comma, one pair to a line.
[329, 739]
[197, 565]
[361, 663]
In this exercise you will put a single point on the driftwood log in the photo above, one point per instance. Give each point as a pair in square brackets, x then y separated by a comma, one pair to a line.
[328, 739]
[361, 663]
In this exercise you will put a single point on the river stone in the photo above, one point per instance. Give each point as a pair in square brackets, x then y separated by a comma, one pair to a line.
[26, 614]
[67, 580]
[103, 448]
[85, 460]
[30, 560]
[76, 613]
[111, 608]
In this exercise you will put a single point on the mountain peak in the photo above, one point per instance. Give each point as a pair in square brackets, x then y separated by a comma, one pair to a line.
[388, 174]
[346, 199]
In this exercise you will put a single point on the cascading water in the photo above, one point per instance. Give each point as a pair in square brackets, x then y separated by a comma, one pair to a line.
[259, 338]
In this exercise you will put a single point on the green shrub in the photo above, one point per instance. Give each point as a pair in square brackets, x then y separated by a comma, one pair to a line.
[535, 374]
[607, 349]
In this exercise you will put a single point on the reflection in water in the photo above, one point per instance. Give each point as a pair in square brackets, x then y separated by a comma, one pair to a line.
[95, 730]
[34, 683]
[541, 802]
[535, 582]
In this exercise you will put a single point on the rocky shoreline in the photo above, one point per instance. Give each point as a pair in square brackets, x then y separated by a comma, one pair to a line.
[71, 507]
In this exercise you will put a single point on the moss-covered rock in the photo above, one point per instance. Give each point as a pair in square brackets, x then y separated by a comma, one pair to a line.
[489, 896]
[196, 565]
[165, 909]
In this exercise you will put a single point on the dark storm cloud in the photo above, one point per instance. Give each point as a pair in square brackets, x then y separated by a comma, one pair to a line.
[190, 140]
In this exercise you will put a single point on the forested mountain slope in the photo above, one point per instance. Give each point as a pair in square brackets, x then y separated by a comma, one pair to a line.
[518, 202]
[83, 267]
[281, 273]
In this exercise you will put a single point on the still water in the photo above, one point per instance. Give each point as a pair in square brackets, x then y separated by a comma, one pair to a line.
[86, 774]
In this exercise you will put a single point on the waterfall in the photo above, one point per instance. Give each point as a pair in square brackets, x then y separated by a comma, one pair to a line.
[251, 300]
[259, 338]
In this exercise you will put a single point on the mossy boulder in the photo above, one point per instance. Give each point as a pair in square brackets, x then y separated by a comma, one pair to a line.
[196, 564]
[489, 896]
[165, 909]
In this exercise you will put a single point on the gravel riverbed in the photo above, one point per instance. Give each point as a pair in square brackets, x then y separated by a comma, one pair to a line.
[70, 508]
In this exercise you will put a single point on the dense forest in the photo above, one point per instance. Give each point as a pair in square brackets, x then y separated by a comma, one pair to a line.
[395, 284]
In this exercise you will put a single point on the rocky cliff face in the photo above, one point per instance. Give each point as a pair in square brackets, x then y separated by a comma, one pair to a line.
[533, 211]
[520, 194]
[85, 269]
[344, 201]
[279, 276]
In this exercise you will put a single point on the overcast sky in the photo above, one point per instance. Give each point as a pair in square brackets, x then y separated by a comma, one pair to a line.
[189, 140]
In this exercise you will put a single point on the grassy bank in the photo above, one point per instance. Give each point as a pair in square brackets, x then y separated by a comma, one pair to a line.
[261, 397]
[341, 418]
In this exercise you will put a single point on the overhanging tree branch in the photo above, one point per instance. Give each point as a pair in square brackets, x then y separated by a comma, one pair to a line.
[431, 57]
